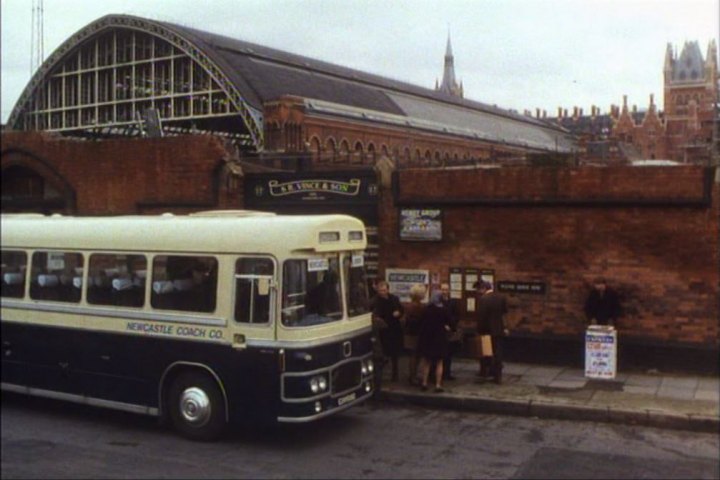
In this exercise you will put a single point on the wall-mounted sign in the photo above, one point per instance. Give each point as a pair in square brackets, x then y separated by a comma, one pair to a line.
[269, 190]
[537, 288]
[309, 186]
[456, 279]
[400, 281]
[421, 224]
[471, 276]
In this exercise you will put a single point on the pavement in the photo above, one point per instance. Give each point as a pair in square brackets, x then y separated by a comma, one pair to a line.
[650, 398]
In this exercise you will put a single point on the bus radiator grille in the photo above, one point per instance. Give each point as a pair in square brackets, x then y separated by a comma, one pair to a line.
[346, 377]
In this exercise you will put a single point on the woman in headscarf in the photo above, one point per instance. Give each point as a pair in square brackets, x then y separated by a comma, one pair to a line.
[432, 340]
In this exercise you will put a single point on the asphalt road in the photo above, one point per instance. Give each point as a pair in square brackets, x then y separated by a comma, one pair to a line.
[48, 439]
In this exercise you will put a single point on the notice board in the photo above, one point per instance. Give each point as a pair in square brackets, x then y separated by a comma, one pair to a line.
[600, 352]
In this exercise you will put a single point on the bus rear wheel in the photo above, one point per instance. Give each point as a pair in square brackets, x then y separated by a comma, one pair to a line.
[196, 406]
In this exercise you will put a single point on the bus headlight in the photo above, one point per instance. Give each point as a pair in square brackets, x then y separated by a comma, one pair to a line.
[318, 384]
[367, 367]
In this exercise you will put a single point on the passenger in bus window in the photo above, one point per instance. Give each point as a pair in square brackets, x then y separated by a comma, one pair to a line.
[204, 282]
[321, 299]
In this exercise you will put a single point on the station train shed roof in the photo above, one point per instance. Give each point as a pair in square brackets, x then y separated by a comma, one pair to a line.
[251, 75]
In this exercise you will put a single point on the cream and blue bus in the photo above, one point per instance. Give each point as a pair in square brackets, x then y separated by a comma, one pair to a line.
[203, 320]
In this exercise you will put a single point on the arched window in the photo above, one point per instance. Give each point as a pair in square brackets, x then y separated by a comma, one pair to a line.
[344, 153]
[330, 149]
[315, 150]
[371, 153]
[357, 156]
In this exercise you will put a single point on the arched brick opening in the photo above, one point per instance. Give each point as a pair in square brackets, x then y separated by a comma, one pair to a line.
[30, 184]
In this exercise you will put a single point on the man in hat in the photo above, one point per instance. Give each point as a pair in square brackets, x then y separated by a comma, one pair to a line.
[602, 306]
[491, 310]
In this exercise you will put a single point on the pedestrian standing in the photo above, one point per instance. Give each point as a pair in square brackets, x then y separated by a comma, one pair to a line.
[387, 314]
[454, 336]
[602, 305]
[413, 317]
[491, 310]
[432, 340]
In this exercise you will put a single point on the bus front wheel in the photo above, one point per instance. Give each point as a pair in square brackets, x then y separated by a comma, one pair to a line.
[196, 406]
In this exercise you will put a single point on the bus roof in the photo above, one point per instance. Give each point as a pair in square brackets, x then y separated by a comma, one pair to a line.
[214, 231]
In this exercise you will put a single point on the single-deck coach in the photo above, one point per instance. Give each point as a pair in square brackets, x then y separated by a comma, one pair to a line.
[202, 319]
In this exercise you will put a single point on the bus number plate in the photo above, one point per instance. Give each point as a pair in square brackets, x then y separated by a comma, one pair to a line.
[346, 399]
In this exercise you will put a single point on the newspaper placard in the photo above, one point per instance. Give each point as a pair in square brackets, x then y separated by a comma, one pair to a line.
[401, 280]
[600, 352]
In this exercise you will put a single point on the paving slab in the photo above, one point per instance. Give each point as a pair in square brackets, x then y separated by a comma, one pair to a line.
[638, 389]
[676, 393]
[535, 380]
[576, 375]
[536, 371]
[516, 369]
[712, 384]
[643, 380]
[569, 384]
[688, 383]
[708, 395]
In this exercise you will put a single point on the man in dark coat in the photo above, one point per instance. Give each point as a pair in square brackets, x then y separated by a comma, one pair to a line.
[387, 312]
[491, 310]
[454, 344]
[602, 306]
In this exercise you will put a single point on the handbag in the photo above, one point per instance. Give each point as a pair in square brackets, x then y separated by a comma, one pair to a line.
[486, 345]
[481, 346]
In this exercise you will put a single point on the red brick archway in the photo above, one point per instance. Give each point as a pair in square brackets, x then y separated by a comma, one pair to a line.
[31, 184]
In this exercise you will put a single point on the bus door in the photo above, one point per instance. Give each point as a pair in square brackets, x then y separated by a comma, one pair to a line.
[252, 328]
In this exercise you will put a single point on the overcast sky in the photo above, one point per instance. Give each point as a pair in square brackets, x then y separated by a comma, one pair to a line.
[519, 54]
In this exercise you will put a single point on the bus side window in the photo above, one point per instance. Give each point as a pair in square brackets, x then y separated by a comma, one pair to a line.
[117, 279]
[184, 283]
[252, 293]
[14, 266]
[53, 274]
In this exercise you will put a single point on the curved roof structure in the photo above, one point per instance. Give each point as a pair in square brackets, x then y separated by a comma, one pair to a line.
[121, 69]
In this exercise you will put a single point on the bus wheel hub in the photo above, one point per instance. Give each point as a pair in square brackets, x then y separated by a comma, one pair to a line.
[195, 406]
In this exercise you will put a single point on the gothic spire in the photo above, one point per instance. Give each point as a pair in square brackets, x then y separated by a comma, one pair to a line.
[449, 84]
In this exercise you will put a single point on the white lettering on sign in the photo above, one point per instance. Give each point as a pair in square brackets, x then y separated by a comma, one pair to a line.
[358, 260]
[318, 264]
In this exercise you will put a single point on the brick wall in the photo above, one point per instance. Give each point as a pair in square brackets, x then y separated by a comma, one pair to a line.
[652, 232]
[130, 175]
